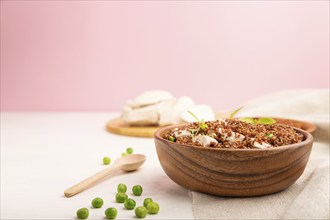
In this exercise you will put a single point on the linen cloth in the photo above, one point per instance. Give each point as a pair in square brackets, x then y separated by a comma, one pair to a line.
[308, 198]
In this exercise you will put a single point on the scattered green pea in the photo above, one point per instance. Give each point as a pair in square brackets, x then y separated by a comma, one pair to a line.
[129, 150]
[121, 188]
[129, 204]
[153, 208]
[111, 213]
[137, 190]
[124, 154]
[106, 160]
[82, 213]
[121, 197]
[97, 202]
[269, 135]
[147, 201]
[171, 139]
[141, 212]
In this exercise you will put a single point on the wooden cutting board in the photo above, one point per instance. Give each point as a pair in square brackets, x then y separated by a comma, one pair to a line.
[118, 126]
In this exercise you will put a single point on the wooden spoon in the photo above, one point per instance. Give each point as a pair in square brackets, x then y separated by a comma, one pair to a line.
[127, 163]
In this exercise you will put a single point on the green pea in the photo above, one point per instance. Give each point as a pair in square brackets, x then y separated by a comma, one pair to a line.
[121, 197]
[124, 154]
[82, 213]
[153, 208]
[146, 202]
[106, 160]
[141, 212]
[137, 190]
[97, 202]
[129, 150]
[129, 204]
[121, 188]
[171, 139]
[111, 213]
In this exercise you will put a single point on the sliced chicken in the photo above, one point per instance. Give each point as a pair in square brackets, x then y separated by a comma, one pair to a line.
[171, 110]
[183, 133]
[149, 98]
[234, 136]
[158, 107]
[262, 145]
[142, 116]
[205, 140]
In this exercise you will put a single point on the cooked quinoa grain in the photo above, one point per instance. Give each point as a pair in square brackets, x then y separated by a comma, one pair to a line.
[232, 133]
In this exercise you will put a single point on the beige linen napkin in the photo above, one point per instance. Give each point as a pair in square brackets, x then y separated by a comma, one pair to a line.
[308, 198]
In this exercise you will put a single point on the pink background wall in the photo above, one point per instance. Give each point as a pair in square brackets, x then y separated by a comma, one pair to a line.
[58, 55]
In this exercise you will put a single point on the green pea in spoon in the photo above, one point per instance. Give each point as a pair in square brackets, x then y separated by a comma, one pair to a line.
[128, 163]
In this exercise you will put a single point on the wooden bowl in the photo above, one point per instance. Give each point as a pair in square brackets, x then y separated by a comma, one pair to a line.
[233, 172]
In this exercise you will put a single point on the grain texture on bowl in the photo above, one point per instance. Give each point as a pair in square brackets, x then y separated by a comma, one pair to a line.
[233, 172]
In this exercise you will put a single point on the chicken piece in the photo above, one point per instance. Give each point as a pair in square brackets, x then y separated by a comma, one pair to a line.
[149, 98]
[158, 107]
[171, 110]
[142, 116]
[205, 141]
[183, 133]
[234, 136]
[263, 145]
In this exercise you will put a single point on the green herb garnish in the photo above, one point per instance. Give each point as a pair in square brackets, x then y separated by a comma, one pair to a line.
[212, 135]
[202, 124]
[235, 112]
[266, 121]
[195, 117]
[193, 132]
[263, 121]
[248, 120]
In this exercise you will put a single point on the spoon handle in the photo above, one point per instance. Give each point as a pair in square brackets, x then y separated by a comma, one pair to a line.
[81, 186]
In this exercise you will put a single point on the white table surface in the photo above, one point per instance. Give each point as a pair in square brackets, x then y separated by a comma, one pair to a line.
[44, 153]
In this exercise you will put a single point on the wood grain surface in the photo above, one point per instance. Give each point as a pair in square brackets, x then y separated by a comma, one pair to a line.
[233, 172]
[118, 126]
